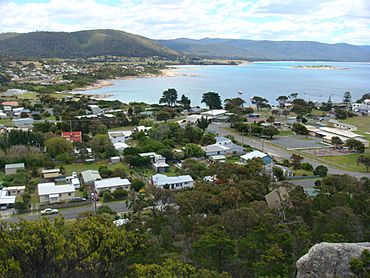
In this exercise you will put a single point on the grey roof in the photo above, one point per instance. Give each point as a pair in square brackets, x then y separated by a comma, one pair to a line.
[160, 179]
[14, 165]
[111, 182]
[90, 175]
[49, 188]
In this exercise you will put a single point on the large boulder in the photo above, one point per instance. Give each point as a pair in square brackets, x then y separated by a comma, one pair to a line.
[329, 260]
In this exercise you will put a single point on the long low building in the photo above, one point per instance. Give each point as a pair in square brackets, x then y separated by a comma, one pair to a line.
[51, 193]
[174, 183]
[327, 133]
[112, 184]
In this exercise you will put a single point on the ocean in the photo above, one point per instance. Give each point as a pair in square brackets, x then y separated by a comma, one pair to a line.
[266, 79]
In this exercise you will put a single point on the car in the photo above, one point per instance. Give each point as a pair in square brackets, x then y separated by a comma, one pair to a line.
[78, 199]
[49, 211]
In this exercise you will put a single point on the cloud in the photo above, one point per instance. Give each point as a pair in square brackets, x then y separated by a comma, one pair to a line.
[329, 21]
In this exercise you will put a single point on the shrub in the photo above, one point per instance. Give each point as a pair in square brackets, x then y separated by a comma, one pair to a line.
[137, 184]
[107, 197]
[120, 194]
[321, 171]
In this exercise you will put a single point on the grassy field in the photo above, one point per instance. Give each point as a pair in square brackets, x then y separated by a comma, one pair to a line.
[362, 123]
[347, 162]
[6, 122]
[80, 167]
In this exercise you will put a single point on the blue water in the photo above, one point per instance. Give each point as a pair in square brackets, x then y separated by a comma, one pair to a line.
[266, 79]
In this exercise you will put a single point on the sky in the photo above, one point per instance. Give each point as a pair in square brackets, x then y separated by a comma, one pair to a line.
[329, 21]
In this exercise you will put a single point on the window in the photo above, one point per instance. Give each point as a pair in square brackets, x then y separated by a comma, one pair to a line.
[69, 194]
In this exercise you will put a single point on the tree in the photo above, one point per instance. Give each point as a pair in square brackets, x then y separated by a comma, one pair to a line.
[299, 129]
[361, 266]
[120, 194]
[293, 96]
[234, 104]
[107, 196]
[212, 100]
[203, 123]
[347, 97]
[355, 145]
[169, 97]
[364, 159]
[185, 102]
[301, 107]
[340, 113]
[163, 115]
[282, 100]
[137, 184]
[321, 171]
[213, 250]
[58, 145]
[193, 150]
[260, 102]
[296, 161]
[278, 173]
[336, 141]
[207, 139]
[102, 146]
[270, 131]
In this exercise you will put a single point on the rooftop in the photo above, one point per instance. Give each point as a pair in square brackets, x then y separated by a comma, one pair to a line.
[253, 154]
[111, 182]
[14, 165]
[49, 188]
[160, 179]
[90, 175]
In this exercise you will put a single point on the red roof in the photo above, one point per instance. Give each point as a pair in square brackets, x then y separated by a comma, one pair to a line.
[74, 136]
[10, 103]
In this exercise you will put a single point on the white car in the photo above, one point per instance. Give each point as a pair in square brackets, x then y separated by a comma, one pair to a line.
[49, 211]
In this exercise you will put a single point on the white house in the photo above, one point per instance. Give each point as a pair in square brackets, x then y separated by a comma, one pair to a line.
[120, 146]
[158, 162]
[51, 193]
[173, 183]
[256, 154]
[119, 136]
[112, 184]
[142, 128]
[223, 146]
[9, 194]
[344, 126]
[11, 169]
[95, 109]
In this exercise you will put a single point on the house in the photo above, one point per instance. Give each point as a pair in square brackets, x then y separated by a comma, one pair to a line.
[10, 103]
[142, 128]
[6, 200]
[95, 109]
[217, 115]
[73, 179]
[173, 183]
[23, 122]
[51, 174]
[50, 193]
[217, 158]
[90, 176]
[7, 109]
[14, 190]
[3, 115]
[119, 136]
[277, 197]
[74, 136]
[223, 146]
[158, 162]
[256, 154]
[336, 124]
[327, 133]
[120, 147]
[115, 159]
[111, 184]
[11, 169]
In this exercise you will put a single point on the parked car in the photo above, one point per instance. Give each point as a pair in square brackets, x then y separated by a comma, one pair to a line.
[49, 211]
[78, 199]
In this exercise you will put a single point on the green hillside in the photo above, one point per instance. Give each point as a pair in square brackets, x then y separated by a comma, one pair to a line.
[79, 44]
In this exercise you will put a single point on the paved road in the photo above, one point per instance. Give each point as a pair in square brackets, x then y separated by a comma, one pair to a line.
[221, 129]
[69, 213]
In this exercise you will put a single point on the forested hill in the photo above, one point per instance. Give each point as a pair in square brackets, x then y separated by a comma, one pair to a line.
[79, 44]
[269, 50]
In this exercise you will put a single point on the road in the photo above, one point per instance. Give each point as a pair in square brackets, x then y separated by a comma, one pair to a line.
[68, 213]
[223, 130]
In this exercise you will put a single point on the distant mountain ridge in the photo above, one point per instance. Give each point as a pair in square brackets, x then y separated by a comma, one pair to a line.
[90, 43]
[269, 50]
[79, 44]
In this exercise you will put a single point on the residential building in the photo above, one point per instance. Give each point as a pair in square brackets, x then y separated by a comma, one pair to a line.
[256, 154]
[119, 136]
[50, 193]
[112, 184]
[115, 159]
[120, 146]
[11, 169]
[223, 146]
[336, 124]
[74, 136]
[95, 109]
[142, 128]
[6, 200]
[23, 122]
[14, 190]
[51, 174]
[10, 103]
[90, 176]
[158, 162]
[173, 183]
[217, 115]
[217, 158]
[277, 197]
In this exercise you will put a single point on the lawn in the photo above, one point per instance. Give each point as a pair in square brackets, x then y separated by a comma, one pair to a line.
[80, 167]
[285, 133]
[6, 122]
[362, 124]
[347, 162]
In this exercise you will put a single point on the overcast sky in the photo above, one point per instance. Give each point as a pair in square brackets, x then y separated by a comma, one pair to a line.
[329, 21]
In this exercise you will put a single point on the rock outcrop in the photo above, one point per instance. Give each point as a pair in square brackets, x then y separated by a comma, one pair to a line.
[329, 260]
